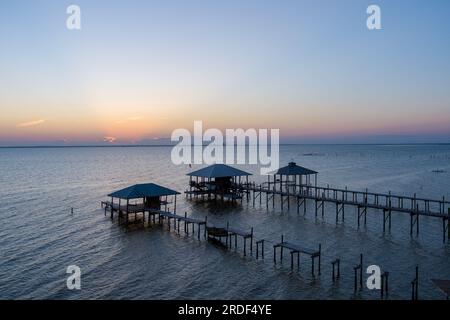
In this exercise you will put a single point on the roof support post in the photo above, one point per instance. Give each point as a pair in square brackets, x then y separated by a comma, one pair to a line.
[175, 205]
[112, 208]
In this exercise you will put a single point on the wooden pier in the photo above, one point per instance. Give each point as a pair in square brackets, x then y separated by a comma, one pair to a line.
[235, 232]
[217, 233]
[153, 200]
[160, 215]
[146, 198]
[187, 221]
[217, 181]
[296, 249]
[387, 203]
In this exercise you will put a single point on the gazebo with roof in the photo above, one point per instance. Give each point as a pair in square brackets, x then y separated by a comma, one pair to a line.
[294, 175]
[217, 179]
[141, 198]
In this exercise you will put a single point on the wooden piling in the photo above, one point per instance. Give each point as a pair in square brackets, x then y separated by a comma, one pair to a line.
[320, 257]
[281, 251]
[336, 275]
[415, 286]
[384, 284]
[262, 248]
[251, 242]
[359, 268]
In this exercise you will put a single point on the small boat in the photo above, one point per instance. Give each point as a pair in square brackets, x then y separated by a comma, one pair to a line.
[438, 171]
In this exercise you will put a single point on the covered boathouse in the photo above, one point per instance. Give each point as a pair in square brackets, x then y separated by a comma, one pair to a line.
[293, 177]
[217, 181]
[140, 199]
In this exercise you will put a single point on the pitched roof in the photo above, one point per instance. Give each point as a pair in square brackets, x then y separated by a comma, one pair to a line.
[218, 171]
[143, 190]
[293, 169]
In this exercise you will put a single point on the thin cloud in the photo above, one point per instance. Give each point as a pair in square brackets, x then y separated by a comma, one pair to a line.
[31, 123]
[109, 139]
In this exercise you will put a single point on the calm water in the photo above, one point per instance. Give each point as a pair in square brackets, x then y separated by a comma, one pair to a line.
[39, 237]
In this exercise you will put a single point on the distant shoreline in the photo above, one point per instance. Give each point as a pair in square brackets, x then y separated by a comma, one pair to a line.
[172, 145]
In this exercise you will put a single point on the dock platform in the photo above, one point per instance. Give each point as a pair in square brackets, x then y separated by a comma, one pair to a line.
[296, 249]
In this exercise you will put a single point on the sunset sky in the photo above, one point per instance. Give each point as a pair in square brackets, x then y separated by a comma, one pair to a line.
[139, 69]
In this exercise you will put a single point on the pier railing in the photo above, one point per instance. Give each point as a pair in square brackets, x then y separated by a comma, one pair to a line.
[432, 207]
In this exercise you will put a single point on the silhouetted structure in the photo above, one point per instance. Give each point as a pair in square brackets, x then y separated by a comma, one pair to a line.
[145, 198]
[293, 175]
[217, 180]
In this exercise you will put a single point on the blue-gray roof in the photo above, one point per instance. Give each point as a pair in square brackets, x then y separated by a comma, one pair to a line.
[143, 190]
[218, 171]
[292, 169]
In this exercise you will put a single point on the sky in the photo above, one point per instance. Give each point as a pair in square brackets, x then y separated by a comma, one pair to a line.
[137, 70]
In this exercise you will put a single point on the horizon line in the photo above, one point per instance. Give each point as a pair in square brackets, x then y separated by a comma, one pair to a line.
[204, 145]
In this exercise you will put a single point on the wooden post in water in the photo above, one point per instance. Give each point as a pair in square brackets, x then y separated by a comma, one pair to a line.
[361, 271]
[251, 242]
[417, 220]
[260, 195]
[292, 259]
[337, 263]
[253, 198]
[112, 208]
[262, 248]
[274, 190]
[320, 257]
[257, 250]
[359, 268]
[246, 185]
[228, 236]
[128, 205]
[384, 284]
[316, 201]
[337, 213]
[448, 225]
[323, 205]
[198, 231]
[281, 249]
[411, 223]
[415, 286]
[274, 254]
[414, 220]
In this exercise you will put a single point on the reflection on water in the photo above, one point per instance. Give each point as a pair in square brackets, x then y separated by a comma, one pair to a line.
[39, 237]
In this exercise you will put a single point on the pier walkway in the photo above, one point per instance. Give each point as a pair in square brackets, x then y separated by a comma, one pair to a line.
[362, 200]
[297, 249]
